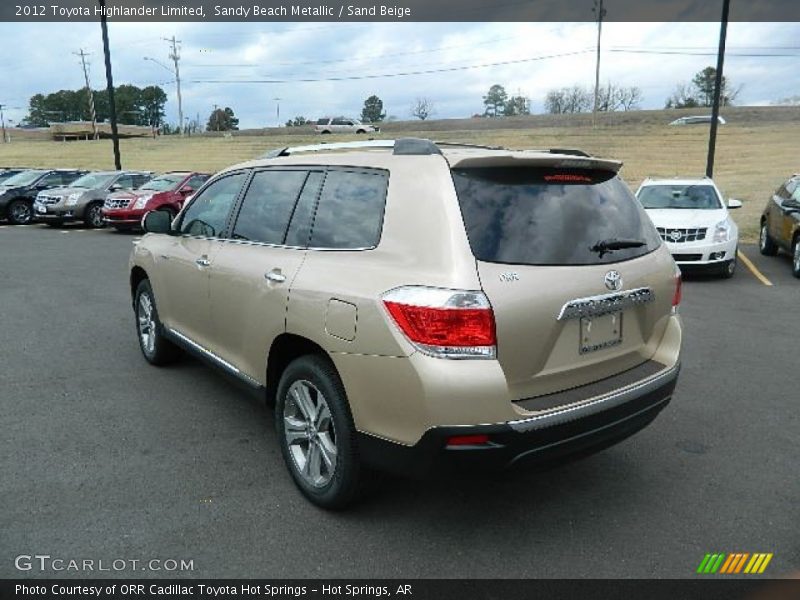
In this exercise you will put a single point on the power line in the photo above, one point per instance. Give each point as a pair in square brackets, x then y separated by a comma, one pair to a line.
[363, 58]
[401, 74]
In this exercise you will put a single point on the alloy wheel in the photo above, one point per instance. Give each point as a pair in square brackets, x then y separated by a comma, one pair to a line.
[21, 213]
[309, 433]
[147, 325]
[95, 216]
[762, 238]
[796, 257]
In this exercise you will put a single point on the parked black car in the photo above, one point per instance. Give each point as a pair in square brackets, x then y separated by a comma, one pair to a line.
[780, 223]
[8, 172]
[17, 193]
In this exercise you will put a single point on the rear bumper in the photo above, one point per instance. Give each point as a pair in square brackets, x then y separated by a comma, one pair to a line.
[551, 437]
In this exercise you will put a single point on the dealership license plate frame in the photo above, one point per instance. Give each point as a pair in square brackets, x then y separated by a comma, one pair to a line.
[600, 332]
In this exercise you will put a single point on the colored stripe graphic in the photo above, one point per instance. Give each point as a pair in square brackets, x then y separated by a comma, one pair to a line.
[734, 563]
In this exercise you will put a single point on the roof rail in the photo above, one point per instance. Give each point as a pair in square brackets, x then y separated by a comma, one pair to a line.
[466, 145]
[402, 146]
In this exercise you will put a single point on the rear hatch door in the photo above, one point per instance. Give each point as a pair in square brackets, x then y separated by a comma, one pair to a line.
[571, 306]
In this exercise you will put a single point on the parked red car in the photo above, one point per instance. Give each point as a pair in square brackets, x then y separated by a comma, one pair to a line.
[167, 192]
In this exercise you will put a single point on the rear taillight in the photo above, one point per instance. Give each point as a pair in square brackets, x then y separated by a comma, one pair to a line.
[444, 323]
[678, 294]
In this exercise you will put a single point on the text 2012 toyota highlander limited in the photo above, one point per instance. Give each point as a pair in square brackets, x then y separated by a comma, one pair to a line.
[420, 308]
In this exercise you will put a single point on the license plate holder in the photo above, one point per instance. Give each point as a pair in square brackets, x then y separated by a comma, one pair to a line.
[600, 332]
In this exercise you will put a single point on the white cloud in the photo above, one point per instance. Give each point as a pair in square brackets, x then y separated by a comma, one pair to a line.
[318, 51]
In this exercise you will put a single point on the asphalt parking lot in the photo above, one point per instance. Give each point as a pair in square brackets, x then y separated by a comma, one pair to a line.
[105, 457]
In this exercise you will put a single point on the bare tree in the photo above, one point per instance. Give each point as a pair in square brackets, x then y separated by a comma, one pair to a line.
[422, 108]
[555, 102]
[629, 98]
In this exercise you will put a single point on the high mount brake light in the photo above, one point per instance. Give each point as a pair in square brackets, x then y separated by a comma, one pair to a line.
[444, 323]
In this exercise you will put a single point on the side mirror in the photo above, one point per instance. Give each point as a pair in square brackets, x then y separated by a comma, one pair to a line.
[187, 189]
[115, 187]
[733, 203]
[157, 221]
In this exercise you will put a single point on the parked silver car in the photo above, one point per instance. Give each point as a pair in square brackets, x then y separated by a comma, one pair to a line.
[83, 199]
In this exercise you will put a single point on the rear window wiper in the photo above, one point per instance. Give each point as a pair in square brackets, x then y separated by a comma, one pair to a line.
[603, 247]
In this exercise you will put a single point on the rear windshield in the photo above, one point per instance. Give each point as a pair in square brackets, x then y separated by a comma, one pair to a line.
[536, 216]
[696, 197]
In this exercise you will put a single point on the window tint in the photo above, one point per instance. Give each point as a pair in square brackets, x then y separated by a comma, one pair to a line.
[350, 211]
[545, 217]
[268, 206]
[208, 213]
[699, 197]
[139, 180]
[196, 182]
[52, 179]
[323, 121]
[125, 182]
[300, 227]
[339, 121]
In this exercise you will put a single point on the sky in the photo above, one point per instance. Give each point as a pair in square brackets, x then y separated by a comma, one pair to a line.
[247, 66]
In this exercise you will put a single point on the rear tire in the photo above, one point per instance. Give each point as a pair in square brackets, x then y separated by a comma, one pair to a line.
[93, 217]
[20, 212]
[796, 257]
[155, 347]
[766, 245]
[316, 433]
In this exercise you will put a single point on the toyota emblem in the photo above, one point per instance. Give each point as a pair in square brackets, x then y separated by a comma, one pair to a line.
[613, 281]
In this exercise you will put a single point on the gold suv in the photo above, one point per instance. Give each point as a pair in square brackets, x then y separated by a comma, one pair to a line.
[418, 307]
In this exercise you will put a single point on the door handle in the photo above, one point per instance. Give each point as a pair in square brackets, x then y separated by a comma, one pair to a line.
[203, 262]
[275, 276]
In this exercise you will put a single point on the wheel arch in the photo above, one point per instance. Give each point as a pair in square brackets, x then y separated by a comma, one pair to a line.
[138, 274]
[284, 349]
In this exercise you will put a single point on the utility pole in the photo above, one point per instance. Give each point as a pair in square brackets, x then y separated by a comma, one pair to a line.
[712, 138]
[110, 85]
[601, 13]
[176, 57]
[278, 110]
[92, 112]
[3, 121]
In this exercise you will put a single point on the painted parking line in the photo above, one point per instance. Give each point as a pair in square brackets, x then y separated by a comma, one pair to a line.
[753, 269]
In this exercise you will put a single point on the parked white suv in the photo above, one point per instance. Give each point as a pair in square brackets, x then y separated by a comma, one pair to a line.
[329, 125]
[692, 218]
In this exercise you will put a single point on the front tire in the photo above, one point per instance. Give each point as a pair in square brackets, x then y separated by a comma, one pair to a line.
[796, 257]
[316, 432]
[155, 347]
[728, 270]
[20, 212]
[93, 217]
[766, 245]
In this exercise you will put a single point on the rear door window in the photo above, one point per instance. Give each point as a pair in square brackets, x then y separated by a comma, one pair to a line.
[268, 206]
[350, 211]
[542, 216]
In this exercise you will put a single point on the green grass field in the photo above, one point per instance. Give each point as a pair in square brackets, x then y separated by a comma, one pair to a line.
[755, 153]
